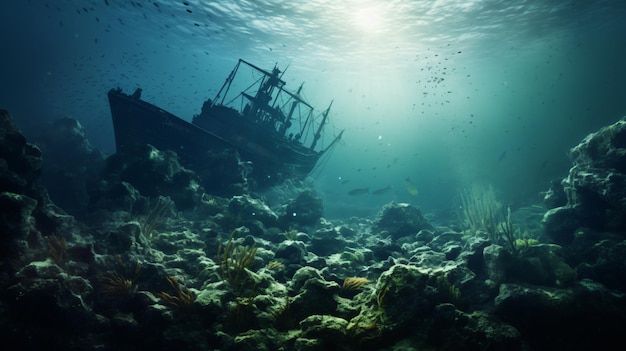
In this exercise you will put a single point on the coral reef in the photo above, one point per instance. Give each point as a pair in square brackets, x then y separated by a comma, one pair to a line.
[155, 261]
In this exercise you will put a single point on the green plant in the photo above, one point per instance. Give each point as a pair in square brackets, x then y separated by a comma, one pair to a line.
[508, 233]
[479, 210]
[182, 299]
[125, 283]
[155, 216]
[291, 234]
[233, 261]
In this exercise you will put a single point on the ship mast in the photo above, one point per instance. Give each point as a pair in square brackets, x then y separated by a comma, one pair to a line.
[226, 85]
[319, 129]
[294, 104]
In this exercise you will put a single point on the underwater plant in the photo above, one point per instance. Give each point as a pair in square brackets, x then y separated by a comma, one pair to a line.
[508, 233]
[155, 216]
[291, 234]
[114, 283]
[233, 261]
[182, 299]
[479, 209]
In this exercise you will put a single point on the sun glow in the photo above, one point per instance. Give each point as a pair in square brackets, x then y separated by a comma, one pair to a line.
[368, 19]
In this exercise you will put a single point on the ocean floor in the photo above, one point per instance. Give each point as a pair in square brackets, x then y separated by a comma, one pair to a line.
[132, 252]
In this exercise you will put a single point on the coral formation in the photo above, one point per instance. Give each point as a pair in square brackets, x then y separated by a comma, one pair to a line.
[113, 279]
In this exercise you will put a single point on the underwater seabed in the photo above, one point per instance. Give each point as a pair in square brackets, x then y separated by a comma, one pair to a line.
[135, 254]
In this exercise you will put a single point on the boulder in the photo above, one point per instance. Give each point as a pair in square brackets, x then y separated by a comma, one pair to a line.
[400, 219]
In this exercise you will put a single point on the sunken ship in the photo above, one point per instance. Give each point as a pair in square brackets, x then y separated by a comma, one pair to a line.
[277, 130]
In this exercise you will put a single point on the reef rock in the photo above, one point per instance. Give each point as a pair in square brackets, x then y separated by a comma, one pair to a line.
[153, 173]
[20, 162]
[540, 264]
[71, 164]
[586, 317]
[251, 212]
[313, 294]
[596, 185]
[330, 330]
[400, 219]
[305, 210]
[592, 222]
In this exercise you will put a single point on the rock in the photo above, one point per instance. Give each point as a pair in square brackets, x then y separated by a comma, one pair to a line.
[293, 252]
[602, 260]
[153, 173]
[47, 302]
[19, 236]
[116, 196]
[386, 248]
[329, 329]
[304, 344]
[605, 148]
[326, 241]
[540, 264]
[244, 210]
[20, 162]
[313, 294]
[560, 224]
[586, 317]
[474, 331]
[400, 219]
[223, 173]
[405, 296]
[555, 196]
[595, 187]
[70, 164]
[544, 264]
[305, 210]
[498, 261]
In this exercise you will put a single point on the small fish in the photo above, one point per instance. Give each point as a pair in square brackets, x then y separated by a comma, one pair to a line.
[359, 191]
[382, 191]
[410, 187]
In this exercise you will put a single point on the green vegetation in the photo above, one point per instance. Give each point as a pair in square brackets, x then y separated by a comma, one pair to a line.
[155, 216]
[480, 210]
[291, 234]
[234, 261]
[182, 299]
[122, 282]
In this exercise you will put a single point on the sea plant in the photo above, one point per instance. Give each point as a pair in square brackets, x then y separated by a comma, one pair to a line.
[155, 216]
[508, 233]
[479, 210]
[291, 234]
[124, 283]
[234, 260]
[182, 299]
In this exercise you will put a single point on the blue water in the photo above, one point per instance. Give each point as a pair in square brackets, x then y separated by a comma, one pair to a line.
[444, 93]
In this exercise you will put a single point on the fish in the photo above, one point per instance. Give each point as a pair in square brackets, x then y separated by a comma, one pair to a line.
[382, 191]
[410, 187]
[359, 191]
